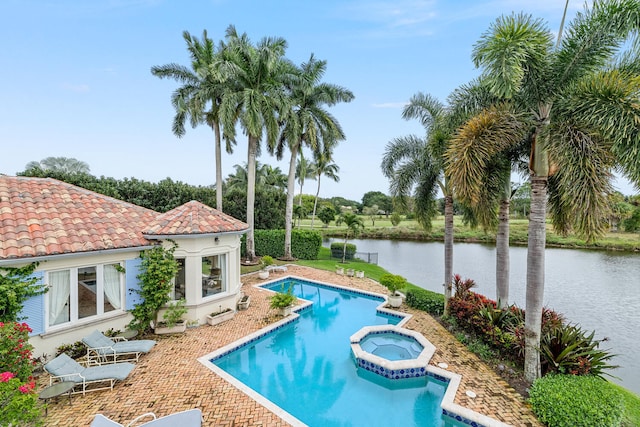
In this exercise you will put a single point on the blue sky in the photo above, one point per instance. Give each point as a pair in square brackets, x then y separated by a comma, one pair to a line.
[76, 80]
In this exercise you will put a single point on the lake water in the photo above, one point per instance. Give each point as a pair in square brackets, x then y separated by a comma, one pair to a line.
[599, 290]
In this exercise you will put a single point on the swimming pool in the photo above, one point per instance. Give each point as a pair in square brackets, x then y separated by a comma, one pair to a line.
[305, 366]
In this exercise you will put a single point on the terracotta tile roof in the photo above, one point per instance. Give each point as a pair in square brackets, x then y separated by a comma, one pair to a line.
[44, 216]
[194, 218]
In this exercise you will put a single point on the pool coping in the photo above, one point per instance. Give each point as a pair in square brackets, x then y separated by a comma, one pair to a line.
[449, 408]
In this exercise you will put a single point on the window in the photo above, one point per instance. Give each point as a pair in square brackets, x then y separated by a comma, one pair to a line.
[179, 281]
[214, 272]
[84, 292]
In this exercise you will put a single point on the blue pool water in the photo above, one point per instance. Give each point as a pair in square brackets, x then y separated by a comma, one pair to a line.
[306, 367]
[391, 346]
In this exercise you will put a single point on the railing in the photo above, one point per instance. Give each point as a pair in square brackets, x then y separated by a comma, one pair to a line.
[370, 257]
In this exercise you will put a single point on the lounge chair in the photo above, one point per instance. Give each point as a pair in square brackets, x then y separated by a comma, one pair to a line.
[190, 418]
[102, 349]
[92, 378]
[277, 268]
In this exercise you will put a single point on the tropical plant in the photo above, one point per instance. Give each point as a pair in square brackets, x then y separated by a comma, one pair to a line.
[567, 349]
[283, 299]
[323, 165]
[158, 270]
[583, 93]
[200, 95]
[491, 190]
[308, 123]
[256, 100]
[354, 226]
[303, 172]
[415, 166]
[60, 164]
[16, 286]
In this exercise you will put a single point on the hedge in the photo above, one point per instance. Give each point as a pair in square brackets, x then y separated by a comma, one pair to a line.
[305, 244]
[425, 300]
[337, 249]
[576, 401]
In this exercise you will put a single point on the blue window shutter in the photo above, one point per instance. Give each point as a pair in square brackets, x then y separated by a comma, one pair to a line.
[33, 311]
[133, 268]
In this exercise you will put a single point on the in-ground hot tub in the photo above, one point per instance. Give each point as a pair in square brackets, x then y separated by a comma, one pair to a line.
[391, 351]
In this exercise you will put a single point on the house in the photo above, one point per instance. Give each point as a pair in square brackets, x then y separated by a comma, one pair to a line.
[88, 248]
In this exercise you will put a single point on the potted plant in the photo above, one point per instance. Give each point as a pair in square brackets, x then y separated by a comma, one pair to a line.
[360, 273]
[393, 282]
[243, 302]
[283, 301]
[339, 270]
[222, 315]
[266, 261]
[173, 322]
[350, 272]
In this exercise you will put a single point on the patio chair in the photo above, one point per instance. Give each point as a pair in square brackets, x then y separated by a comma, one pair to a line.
[92, 378]
[102, 349]
[190, 418]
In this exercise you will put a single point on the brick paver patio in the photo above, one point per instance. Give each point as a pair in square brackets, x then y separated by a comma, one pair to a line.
[170, 379]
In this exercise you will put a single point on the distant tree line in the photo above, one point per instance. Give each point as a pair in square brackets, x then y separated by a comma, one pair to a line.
[168, 194]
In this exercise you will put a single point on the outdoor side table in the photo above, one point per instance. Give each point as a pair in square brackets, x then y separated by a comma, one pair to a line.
[55, 390]
[128, 334]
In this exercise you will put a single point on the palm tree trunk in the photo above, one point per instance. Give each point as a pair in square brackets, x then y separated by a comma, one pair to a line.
[216, 130]
[535, 277]
[251, 195]
[288, 214]
[448, 249]
[502, 254]
[344, 247]
[315, 203]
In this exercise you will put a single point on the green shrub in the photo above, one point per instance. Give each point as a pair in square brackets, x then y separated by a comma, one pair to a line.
[395, 218]
[75, 350]
[425, 300]
[337, 248]
[305, 244]
[576, 401]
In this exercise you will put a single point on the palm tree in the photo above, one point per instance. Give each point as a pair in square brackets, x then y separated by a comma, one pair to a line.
[415, 166]
[199, 98]
[303, 172]
[266, 177]
[308, 123]
[354, 225]
[255, 99]
[323, 165]
[581, 96]
[493, 122]
[60, 164]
